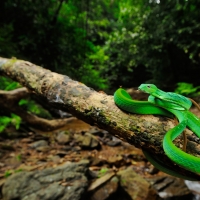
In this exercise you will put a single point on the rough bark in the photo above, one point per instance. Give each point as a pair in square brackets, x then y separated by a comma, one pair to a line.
[95, 108]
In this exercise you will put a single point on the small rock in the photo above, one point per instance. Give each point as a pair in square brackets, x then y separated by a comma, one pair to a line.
[76, 148]
[26, 140]
[89, 141]
[65, 182]
[101, 181]
[40, 146]
[96, 131]
[115, 160]
[168, 186]
[86, 141]
[63, 137]
[114, 142]
[43, 149]
[193, 185]
[39, 143]
[2, 164]
[106, 189]
[136, 187]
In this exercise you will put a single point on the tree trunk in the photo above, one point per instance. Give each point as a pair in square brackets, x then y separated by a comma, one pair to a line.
[95, 108]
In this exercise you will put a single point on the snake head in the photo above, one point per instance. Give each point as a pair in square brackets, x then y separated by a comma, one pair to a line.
[148, 88]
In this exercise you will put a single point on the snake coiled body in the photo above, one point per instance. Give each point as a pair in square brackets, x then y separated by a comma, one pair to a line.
[167, 104]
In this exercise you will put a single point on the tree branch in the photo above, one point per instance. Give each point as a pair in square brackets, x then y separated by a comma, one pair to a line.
[95, 108]
[9, 101]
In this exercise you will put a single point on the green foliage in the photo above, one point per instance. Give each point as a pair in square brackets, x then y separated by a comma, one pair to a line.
[187, 89]
[52, 34]
[33, 107]
[4, 122]
[169, 42]
[19, 157]
[10, 172]
[102, 172]
[12, 120]
[15, 120]
[90, 72]
[29, 105]
[7, 174]
[106, 44]
[154, 42]
[8, 84]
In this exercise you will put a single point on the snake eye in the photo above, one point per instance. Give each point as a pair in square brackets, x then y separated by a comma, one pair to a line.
[148, 86]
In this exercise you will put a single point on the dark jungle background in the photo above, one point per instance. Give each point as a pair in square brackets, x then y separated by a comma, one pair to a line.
[107, 43]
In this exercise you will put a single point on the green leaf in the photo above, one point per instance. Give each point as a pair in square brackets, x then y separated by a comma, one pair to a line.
[16, 120]
[186, 89]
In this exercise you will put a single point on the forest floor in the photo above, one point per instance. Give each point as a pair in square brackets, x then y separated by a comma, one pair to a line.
[31, 150]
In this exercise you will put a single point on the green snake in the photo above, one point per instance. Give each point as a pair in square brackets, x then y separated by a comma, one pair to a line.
[167, 104]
